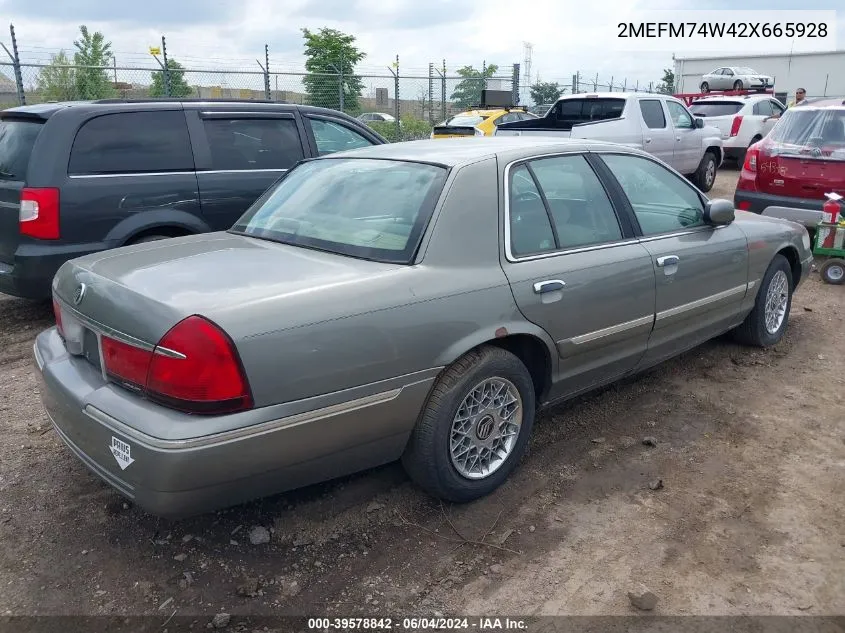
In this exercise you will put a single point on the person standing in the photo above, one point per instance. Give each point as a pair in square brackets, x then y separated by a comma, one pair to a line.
[800, 95]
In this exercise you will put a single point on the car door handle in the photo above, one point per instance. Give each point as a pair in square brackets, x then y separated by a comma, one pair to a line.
[550, 285]
[648, 140]
[668, 260]
[677, 138]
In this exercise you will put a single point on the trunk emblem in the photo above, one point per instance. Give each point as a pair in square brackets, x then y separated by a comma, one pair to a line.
[79, 294]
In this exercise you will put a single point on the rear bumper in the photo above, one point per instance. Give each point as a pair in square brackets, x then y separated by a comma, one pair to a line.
[801, 210]
[30, 274]
[215, 462]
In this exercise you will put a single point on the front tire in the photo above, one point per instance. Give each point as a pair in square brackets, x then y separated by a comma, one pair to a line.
[833, 272]
[475, 427]
[705, 176]
[766, 324]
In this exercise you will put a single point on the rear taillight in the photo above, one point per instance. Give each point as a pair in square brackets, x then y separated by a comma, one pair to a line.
[194, 368]
[39, 213]
[735, 125]
[751, 157]
[57, 312]
[744, 205]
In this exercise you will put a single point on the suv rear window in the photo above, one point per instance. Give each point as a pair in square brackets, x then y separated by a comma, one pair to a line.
[818, 133]
[16, 141]
[720, 108]
[131, 143]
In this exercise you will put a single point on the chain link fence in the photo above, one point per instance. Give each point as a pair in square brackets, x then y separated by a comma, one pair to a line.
[414, 103]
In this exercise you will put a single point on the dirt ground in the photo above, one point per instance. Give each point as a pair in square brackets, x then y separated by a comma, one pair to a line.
[750, 448]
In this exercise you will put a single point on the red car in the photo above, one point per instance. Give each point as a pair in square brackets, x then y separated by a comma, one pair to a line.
[789, 172]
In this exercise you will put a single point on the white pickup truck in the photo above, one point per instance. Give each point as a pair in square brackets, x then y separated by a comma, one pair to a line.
[659, 124]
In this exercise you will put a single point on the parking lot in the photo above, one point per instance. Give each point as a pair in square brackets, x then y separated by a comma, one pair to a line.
[732, 506]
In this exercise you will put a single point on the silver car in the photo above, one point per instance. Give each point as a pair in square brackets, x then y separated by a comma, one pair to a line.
[735, 78]
[417, 301]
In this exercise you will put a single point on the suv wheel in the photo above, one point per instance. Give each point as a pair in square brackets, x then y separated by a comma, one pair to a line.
[705, 175]
[475, 426]
[766, 324]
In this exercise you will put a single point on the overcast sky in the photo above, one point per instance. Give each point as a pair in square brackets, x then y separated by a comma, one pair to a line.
[567, 36]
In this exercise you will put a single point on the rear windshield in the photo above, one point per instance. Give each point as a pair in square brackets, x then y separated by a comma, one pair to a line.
[720, 108]
[16, 141]
[812, 133]
[370, 209]
[465, 120]
[575, 111]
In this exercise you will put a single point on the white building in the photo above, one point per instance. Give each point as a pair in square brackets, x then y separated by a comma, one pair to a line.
[821, 74]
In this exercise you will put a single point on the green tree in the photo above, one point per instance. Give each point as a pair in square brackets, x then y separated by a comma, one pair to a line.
[178, 86]
[330, 56]
[667, 85]
[93, 56]
[545, 92]
[467, 93]
[57, 81]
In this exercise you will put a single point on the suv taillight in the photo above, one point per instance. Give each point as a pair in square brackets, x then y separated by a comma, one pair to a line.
[737, 122]
[39, 213]
[751, 157]
[194, 368]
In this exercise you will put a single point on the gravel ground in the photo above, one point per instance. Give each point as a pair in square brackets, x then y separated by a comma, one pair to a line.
[734, 509]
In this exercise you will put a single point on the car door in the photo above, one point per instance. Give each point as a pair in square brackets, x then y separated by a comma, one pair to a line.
[239, 155]
[330, 135]
[714, 79]
[658, 134]
[701, 270]
[687, 151]
[575, 269]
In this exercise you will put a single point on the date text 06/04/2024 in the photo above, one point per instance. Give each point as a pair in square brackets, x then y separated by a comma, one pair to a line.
[722, 29]
[416, 624]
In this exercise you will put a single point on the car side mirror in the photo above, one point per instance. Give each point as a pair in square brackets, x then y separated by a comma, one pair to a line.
[699, 123]
[719, 212]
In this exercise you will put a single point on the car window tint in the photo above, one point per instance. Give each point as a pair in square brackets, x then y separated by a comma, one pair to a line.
[580, 208]
[777, 108]
[334, 137]
[242, 144]
[679, 115]
[17, 139]
[662, 201]
[530, 228]
[132, 142]
[763, 108]
[653, 116]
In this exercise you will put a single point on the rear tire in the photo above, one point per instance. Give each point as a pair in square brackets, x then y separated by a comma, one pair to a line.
[766, 324]
[485, 400]
[738, 85]
[833, 272]
[705, 176]
[705, 87]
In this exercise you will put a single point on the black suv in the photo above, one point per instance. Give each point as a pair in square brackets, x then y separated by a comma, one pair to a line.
[77, 178]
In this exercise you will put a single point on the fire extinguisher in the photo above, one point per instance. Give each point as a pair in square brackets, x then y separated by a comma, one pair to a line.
[831, 212]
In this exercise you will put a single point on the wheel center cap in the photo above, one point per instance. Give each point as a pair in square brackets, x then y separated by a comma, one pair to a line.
[484, 427]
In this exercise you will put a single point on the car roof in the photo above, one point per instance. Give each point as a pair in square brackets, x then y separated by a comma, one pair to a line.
[465, 151]
[613, 95]
[824, 103]
[727, 99]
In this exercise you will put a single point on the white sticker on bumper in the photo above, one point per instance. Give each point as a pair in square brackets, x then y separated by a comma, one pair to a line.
[122, 453]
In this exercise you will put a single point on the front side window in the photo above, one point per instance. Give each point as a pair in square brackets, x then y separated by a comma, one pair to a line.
[244, 144]
[679, 115]
[662, 202]
[132, 142]
[332, 137]
[370, 209]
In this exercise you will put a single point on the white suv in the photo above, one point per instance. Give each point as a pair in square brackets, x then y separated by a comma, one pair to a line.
[742, 120]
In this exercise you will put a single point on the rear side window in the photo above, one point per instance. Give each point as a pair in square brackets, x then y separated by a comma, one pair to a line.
[585, 110]
[16, 141]
[132, 142]
[334, 137]
[653, 115]
[721, 108]
[243, 144]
